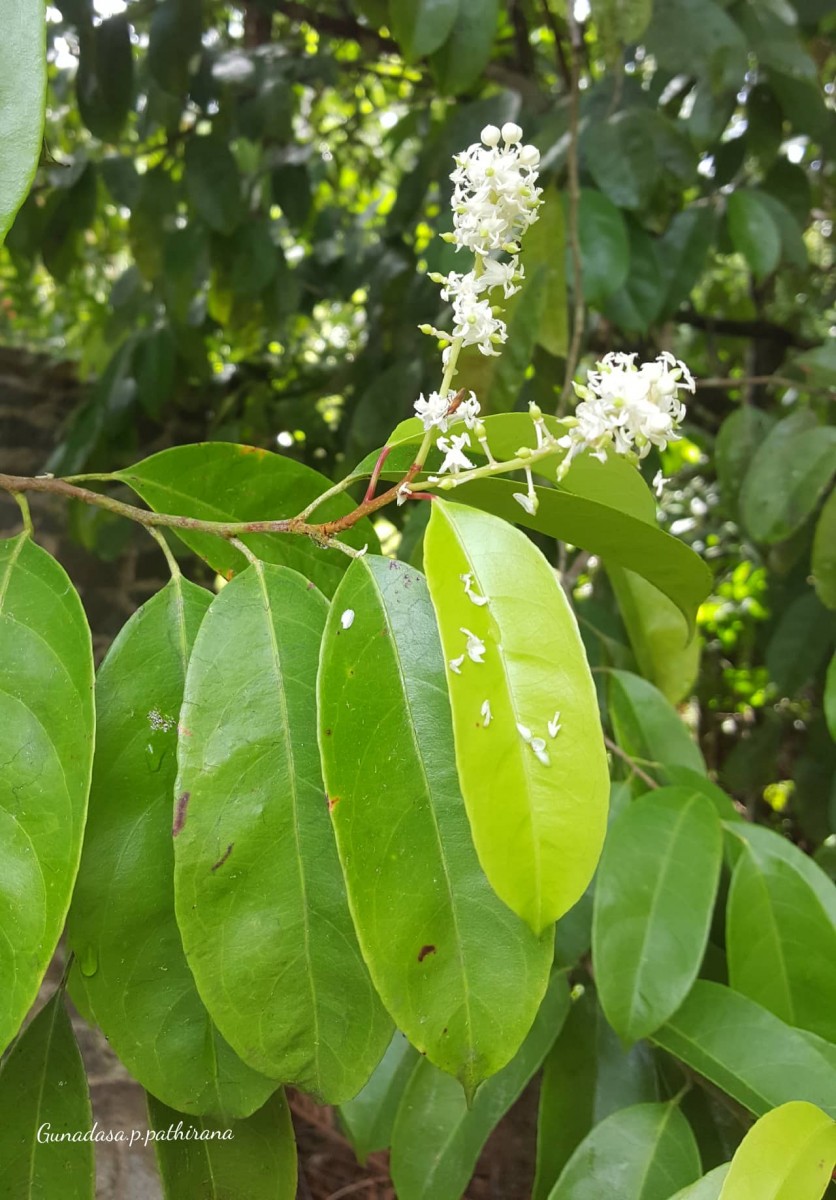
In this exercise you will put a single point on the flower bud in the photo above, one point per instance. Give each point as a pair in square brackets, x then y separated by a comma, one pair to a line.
[511, 133]
[490, 135]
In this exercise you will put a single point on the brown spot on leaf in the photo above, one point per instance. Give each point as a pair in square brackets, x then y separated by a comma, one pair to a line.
[223, 857]
[327, 732]
[229, 575]
[180, 813]
[310, 586]
[333, 801]
[256, 450]
[425, 950]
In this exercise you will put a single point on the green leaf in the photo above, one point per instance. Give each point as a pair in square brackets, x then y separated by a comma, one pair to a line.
[250, 918]
[657, 633]
[605, 246]
[467, 51]
[46, 746]
[787, 477]
[370, 1117]
[620, 155]
[258, 1160]
[824, 553]
[22, 102]
[746, 1051]
[131, 971]
[643, 1152]
[637, 304]
[538, 815]
[753, 231]
[683, 250]
[647, 727]
[104, 80]
[787, 1155]
[212, 182]
[830, 698]
[455, 955]
[781, 942]
[218, 481]
[801, 643]
[173, 43]
[707, 1188]
[766, 844]
[620, 22]
[654, 897]
[43, 1087]
[695, 781]
[437, 1138]
[698, 38]
[422, 26]
[738, 439]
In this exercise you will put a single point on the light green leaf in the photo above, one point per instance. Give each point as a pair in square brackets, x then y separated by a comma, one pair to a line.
[421, 26]
[258, 1160]
[437, 1138]
[22, 101]
[448, 962]
[657, 633]
[643, 1152]
[537, 800]
[43, 1087]
[130, 967]
[46, 746]
[259, 894]
[786, 478]
[218, 481]
[647, 727]
[707, 1188]
[654, 896]
[467, 51]
[787, 1155]
[370, 1117]
[746, 1051]
[781, 943]
[824, 553]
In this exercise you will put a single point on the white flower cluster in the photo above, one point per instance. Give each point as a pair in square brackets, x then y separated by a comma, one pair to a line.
[495, 200]
[434, 410]
[627, 408]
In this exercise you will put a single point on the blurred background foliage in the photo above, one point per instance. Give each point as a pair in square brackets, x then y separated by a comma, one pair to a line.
[229, 237]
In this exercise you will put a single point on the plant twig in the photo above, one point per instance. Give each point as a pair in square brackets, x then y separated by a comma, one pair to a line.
[573, 213]
[631, 762]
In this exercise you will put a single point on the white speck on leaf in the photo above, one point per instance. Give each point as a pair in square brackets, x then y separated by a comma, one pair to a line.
[524, 732]
[487, 715]
[456, 664]
[554, 725]
[347, 619]
[538, 745]
[475, 648]
[467, 580]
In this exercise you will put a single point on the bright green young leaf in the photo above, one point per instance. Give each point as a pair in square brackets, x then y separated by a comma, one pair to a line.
[421, 26]
[130, 968]
[22, 101]
[46, 746]
[43, 1086]
[753, 231]
[467, 51]
[259, 894]
[448, 962]
[824, 553]
[257, 1162]
[746, 1051]
[370, 1117]
[781, 943]
[644, 1152]
[787, 1155]
[647, 727]
[437, 1138]
[786, 478]
[707, 1188]
[657, 633]
[218, 481]
[536, 794]
[654, 897]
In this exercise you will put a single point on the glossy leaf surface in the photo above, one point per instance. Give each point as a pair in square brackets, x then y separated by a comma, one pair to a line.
[461, 975]
[786, 478]
[647, 727]
[22, 100]
[644, 1152]
[259, 894]
[658, 635]
[537, 800]
[219, 481]
[46, 746]
[258, 1161]
[369, 1117]
[787, 1155]
[131, 970]
[707, 1188]
[43, 1087]
[654, 897]
[437, 1138]
[748, 1052]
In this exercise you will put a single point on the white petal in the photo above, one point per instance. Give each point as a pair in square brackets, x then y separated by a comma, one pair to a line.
[456, 664]
[524, 732]
[487, 715]
[554, 725]
[347, 619]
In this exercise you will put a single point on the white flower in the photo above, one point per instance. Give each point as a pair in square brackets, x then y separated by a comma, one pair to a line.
[529, 501]
[554, 725]
[456, 664]
[404, 492]
[487, 715]
[347, 619]
[524, 732]
[495, 197]
[539, 747]
[475, 324]
[467, 580]
[433, 410]
[455, 459]
[475, 648]
[468, 411]
[659, 482]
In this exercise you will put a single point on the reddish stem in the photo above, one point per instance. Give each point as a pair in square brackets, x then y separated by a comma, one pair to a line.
[378, 467]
